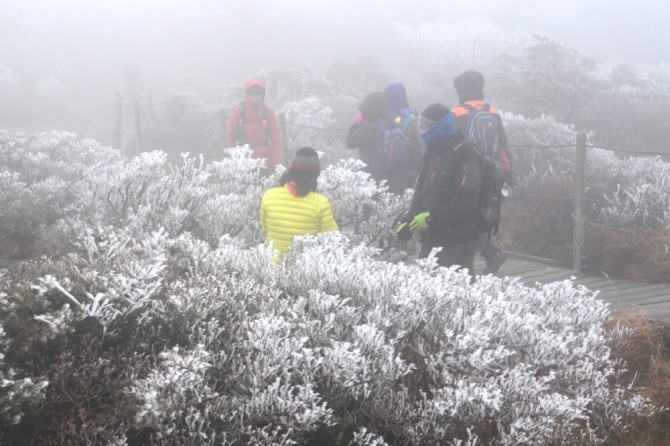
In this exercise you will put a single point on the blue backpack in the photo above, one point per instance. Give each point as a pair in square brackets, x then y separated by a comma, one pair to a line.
[482, 130]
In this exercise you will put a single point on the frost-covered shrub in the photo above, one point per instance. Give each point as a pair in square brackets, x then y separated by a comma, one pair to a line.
[538, 218]
[624, 195]
[307, 117]
[364, 207]
[185, 124]
[632, 192]
[443, 50]
[169, 330]
[37, 172]
[17, 395]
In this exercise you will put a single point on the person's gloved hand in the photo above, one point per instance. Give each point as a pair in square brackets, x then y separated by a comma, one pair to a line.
[359, 118]
[420, 222]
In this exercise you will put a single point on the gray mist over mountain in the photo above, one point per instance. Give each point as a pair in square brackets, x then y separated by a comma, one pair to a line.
[84, 48]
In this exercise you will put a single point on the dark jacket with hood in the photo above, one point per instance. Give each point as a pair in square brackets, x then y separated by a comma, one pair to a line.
[448, 186]
[364, 134]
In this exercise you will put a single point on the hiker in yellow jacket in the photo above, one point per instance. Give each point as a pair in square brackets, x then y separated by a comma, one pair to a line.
[295, 208]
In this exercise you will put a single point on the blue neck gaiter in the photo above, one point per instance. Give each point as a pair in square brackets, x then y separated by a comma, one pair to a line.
[440, 132]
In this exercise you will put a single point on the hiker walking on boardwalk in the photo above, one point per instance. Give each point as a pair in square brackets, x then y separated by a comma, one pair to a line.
[445, 202]
[481, 124]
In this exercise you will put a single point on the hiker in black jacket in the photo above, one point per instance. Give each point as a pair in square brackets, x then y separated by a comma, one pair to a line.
[364, 134]
[469, 86]
[445, 203]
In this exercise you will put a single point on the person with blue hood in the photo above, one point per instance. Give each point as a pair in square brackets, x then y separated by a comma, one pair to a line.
[444, 206]
[407, 118]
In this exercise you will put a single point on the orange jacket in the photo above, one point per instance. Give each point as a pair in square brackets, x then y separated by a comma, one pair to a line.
[256, 124]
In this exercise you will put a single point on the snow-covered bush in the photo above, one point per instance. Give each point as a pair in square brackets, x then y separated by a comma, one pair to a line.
[624, 194]
[442, 51]
[37, 171]
[633, 192]
[172, 324]
[17, 395]
[335, 341]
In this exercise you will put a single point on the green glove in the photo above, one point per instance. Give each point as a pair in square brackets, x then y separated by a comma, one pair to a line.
[420, 222]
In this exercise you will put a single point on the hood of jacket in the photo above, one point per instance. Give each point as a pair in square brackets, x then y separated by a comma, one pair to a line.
[396, 95]
[254, 106]
[254, 82]
[374, 106]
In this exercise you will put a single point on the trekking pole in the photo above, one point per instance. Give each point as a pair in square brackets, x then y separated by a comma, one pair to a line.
[578, 228]
[119, 117]
[138, 129]
[223, 120]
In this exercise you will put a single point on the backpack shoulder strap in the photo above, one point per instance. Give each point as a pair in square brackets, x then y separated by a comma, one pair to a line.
[243, 113]
[468, 107]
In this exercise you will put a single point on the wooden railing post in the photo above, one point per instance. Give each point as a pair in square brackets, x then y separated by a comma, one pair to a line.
[223, 121]
[284, 136]
[119, 117]
[138, 129]
[578, 217]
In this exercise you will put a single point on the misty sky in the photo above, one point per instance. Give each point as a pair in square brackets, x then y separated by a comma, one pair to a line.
[195, 43]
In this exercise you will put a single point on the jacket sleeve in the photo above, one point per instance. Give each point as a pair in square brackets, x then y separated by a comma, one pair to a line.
[362, 136]
[326, 221]
[232, 126]
[275, 138]
[461, 206]
[503, 152]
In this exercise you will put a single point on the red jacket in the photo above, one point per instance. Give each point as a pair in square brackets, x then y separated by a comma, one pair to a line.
[260, 128]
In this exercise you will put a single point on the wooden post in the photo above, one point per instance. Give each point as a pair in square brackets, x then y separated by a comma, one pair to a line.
[117, 142]
[284, 137]
[223, 119]
[578, 229]
[138, 129]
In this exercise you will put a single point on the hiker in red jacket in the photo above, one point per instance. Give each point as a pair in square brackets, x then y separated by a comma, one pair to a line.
[255, 123]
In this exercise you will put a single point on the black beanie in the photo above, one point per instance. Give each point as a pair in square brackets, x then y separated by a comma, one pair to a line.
[469, 86]
[306, 160]
[435, 112]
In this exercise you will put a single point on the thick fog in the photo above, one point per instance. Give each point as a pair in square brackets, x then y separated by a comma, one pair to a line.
[82, 47]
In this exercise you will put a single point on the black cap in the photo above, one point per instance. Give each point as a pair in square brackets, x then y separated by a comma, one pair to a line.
[469, 85]
[435, 112]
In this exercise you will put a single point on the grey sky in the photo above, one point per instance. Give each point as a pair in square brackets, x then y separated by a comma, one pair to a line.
[199, 43]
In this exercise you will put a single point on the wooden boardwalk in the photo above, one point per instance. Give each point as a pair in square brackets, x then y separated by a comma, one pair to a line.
[653, 298]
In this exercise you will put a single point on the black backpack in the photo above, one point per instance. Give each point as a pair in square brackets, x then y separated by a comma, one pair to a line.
[490, 192]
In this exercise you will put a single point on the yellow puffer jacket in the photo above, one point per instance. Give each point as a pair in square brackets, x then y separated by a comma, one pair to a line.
[283, 216]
